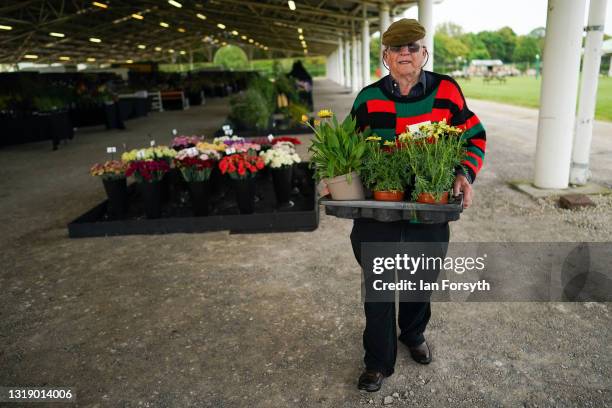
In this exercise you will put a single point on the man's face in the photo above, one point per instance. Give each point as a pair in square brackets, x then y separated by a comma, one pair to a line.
[401, 61]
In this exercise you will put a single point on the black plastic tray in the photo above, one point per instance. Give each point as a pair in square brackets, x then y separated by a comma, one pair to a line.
[386, 211]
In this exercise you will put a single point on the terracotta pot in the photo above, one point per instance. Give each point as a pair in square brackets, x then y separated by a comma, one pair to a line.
[393, 195]
[341, 189]
[428, 198]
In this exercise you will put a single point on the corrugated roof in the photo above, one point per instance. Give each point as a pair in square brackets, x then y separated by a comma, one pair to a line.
[267, 28]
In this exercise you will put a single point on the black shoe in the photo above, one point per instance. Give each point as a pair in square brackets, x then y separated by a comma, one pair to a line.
[370, 380]
[421, 353]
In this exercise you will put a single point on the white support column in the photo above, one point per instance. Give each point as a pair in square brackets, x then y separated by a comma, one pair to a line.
[558, 93]
[365, 44]
[340, 61]
[347, 63]
[329, 67]
[426, 20]
[385, 22]
[359, 63]
[579, 172]
[354, 71]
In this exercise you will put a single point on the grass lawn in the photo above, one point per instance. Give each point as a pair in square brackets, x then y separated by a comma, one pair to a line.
[525, 91]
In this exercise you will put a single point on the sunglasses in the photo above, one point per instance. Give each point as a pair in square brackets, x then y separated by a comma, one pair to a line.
[412, 48]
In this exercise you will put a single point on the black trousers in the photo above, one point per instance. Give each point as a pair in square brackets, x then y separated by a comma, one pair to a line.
[380, 334]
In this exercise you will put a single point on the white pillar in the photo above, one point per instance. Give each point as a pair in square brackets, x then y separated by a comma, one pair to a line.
[365, 44]
[330, 67]
[385, 22]
[347, 63]
[558, 92]
[340, 61]
[359, 63]
[579, 172]
[354, 71]
[426, 20]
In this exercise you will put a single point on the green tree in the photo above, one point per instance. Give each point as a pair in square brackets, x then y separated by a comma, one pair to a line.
[231, 57]
[500, 43]
[477, 48]
[509, 41]
[446, 51]
[526, 49]
[449, 28]
[374, 53]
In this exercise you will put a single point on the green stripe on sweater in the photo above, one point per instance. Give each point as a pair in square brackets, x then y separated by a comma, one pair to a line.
[368, 94]
[472, 131]
[406, 110]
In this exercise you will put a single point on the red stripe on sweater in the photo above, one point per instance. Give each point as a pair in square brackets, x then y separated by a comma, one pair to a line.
[470, 165]
[479, 143]
[438, 114]
[448, 90]
[401, 123]
[378, 105]
[478, 159]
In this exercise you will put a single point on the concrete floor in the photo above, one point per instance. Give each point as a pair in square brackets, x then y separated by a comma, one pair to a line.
[272, 320]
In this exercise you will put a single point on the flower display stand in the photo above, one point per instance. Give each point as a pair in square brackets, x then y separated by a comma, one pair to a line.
[177, 215]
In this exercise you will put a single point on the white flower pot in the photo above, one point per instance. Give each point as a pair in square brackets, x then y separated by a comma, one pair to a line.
[341, 189]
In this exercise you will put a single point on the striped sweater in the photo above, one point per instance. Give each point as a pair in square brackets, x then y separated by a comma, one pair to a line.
[389, 115]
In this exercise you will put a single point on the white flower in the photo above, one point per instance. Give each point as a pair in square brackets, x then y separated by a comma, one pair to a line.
[276, 158]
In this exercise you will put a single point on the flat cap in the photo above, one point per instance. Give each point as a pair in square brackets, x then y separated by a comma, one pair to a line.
[404, 31]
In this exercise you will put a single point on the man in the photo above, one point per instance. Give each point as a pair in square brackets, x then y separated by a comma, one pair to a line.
[407, 97]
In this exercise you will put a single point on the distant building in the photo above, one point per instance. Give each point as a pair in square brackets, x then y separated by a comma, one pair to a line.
[484, 67]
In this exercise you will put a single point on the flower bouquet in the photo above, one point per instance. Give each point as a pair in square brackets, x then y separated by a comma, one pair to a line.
[280, 159]
[148, 166]
[242, 147]
[241, 168]
[337, 155]
[228, 140]
[112, 173]
[196, 168]
[432, 153]
[184, 142]
[295, 141]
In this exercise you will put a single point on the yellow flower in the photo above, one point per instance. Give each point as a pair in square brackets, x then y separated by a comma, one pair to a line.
[325, 113]
[373, 138]
[317, 122]
[211, 146]
[304, 118]
[389, 143]
[406, 136]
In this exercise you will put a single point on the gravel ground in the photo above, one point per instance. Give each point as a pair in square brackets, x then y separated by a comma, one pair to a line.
[271, 320]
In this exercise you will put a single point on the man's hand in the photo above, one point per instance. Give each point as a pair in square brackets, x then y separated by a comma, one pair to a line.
[322, 189]
[461, 184]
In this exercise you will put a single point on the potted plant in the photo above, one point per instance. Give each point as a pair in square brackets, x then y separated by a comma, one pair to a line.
[196, 167]
[242, 168]
[112, 173]
[280, 159]
[433, 153]
[148, 166]
[216, 178]
[384, 171]
[337, 154]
